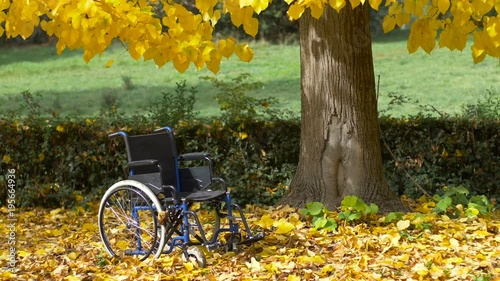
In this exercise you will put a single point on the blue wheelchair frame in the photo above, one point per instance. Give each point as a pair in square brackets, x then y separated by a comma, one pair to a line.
[177, 208]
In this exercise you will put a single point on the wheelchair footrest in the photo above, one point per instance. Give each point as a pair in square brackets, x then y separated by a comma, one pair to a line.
[253, 239]
[213, 246]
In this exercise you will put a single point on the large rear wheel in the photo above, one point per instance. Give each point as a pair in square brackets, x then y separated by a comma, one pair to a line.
[128, 221]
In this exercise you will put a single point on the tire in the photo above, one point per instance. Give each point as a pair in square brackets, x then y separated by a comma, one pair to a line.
[128, 221]
[197, 254]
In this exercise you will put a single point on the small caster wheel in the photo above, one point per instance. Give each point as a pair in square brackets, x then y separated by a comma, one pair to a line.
[197, 254]
[233, 243]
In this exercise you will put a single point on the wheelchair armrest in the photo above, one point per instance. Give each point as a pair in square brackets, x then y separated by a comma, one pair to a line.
[194, 156]
[172, 190]
[221, 182]
[142, 163]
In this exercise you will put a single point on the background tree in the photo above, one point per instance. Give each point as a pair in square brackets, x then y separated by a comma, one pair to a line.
[340, 149]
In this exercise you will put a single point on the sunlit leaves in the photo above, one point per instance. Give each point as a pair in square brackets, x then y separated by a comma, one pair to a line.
[454, 21]
[64, 244]
[422, 35]
[165, 31]
[244, 52]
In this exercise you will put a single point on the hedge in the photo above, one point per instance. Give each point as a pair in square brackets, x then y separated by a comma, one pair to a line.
[62, 161]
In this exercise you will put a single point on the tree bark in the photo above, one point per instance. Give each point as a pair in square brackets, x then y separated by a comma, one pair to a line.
[340, 152]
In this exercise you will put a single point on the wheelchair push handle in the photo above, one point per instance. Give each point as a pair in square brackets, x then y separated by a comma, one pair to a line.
[117, 134]
[124, 134]
[166, 128]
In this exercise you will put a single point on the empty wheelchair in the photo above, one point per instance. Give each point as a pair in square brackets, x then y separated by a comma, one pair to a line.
[151, 213]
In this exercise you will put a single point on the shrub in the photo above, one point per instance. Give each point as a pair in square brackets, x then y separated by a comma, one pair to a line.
[175, 107]
[60, 159]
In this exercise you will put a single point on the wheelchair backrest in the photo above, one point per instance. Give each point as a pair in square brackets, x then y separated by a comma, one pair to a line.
[158, 146]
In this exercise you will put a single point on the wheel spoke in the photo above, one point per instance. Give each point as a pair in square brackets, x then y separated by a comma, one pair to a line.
[128, 223]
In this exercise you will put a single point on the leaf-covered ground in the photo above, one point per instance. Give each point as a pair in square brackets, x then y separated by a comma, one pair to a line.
[65, 245]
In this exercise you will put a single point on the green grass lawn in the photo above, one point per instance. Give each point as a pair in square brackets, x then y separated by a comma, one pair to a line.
[445, 79]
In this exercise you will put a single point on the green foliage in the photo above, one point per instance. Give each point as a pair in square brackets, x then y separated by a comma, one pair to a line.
[425, 154]
[238, 106]
[455, 199]
[353, 208]
[109, 101]
[487, 107]
[257, 164]
[318, 214]
[173, 108]
[482, 278]
[128, 84]
[393, 216]
[59, 159]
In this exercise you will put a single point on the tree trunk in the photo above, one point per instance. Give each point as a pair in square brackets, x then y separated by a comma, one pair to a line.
[340, 151]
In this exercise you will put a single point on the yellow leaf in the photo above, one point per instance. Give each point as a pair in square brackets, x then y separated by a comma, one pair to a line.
[254, 265]
[41, 156]
[213, 65]
[422, 35]
[251, 26]
[89, 226]
[403, 224]
[293, 277]
[181, 63]
[189, 266]
[355, 3]
[326, 270]
[122, 245]
[389, 23]
[375, 4]
[337, 4]
[110, 63]
[40, 252]
[265, 222]
[317, 10]
[283, 226]
[72, 256]
[295, 11]
[420, 269]
[243, 135]
[436, 272]
[226, 47]
[244, 52]
[445, 153]
[443, 6]
[402, 19]
[257, 5]
[454, 244]
[481, 233]
[60, 128]
[6, 159]
[268, 251]
[23, 254]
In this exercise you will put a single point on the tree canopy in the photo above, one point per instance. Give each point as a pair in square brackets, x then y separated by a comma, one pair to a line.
[181, 32]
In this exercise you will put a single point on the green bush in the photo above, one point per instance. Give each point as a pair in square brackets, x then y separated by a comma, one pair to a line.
[427, 154]
[60, 160]
[173, 108]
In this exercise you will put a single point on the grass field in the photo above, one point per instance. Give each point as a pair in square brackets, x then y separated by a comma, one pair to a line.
[447, 80]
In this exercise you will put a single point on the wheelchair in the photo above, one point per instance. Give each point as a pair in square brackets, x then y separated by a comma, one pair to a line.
[151, 213]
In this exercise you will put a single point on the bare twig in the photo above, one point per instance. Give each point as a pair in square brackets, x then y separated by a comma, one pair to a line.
[392, 154]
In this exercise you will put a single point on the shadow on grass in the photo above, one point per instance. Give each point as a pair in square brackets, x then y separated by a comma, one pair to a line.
[397, 35]
[33, 53]
[139, 100]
